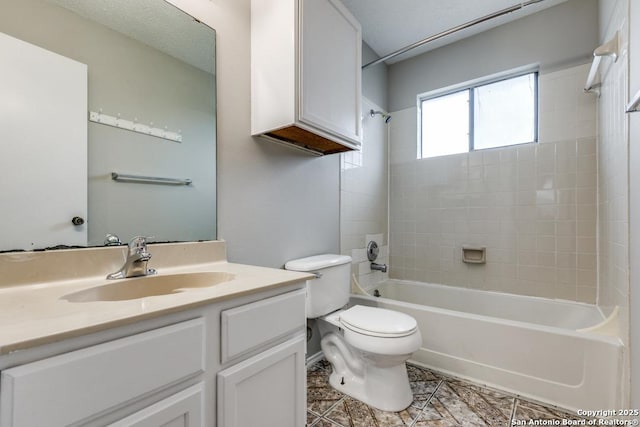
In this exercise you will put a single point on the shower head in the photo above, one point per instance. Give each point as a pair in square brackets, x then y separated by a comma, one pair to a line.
[386, 117]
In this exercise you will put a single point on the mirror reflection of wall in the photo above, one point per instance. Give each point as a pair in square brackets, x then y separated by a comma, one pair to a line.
[168, 86]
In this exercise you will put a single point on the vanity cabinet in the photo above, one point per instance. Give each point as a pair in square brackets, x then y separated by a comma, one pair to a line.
[269, 388]
[79, 385]
[306, 74]
[186, 368]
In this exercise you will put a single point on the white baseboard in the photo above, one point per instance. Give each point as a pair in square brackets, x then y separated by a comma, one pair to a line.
[315, 358]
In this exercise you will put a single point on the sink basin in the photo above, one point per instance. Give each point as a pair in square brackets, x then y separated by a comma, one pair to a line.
[148, 286]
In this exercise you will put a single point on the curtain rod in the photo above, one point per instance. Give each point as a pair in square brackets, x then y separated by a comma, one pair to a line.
[461, 27]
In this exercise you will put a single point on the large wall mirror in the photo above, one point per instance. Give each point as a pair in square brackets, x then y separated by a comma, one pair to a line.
[91, 90]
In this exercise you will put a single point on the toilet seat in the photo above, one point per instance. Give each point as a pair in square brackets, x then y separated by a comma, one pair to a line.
[378, 322]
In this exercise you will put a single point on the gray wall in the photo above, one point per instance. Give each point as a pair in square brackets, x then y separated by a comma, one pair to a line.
[374, 79]
[274, 203]
[557, 37]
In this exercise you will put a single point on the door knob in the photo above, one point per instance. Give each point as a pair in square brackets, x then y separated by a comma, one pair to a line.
[77, 220]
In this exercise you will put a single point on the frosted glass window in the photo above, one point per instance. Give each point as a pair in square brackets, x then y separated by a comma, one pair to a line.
[445, 125]
[489, 115]
[504, 112]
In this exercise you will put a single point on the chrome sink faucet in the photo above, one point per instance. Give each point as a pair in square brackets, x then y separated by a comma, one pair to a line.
[136, 263]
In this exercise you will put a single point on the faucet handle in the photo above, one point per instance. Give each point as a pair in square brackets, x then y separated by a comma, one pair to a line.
[138, 245]
[112, 240]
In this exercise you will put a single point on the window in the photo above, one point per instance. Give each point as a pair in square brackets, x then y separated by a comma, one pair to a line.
[486, 115]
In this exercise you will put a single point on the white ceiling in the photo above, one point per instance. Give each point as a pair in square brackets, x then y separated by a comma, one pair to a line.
[389, 25]
[154, 23]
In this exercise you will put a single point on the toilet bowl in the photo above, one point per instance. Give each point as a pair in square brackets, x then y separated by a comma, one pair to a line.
[367, 347]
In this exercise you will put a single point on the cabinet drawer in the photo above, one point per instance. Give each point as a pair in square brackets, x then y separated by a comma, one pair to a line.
[183, 409]
[66, 389]
[251, 326]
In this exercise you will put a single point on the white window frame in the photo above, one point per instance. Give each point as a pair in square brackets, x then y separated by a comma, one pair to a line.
[469, 85]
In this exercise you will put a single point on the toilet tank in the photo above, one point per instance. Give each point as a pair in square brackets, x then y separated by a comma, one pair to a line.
[330, 291]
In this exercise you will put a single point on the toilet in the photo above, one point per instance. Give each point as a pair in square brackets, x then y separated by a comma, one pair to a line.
[366, 346]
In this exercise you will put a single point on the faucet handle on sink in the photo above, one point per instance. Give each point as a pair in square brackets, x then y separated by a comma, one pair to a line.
[112, 240]
[138, 245]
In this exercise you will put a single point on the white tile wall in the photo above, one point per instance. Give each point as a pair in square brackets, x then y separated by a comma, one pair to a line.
[613, 177]
[363, 198]
[533, 206]
[613, 183]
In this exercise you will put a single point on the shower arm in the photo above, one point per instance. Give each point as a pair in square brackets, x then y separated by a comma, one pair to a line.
[450, 31]
[385, 116]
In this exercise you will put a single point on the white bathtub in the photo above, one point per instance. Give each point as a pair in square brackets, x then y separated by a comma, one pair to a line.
[525, 345]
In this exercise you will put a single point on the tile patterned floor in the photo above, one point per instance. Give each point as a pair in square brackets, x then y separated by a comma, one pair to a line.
[439, 400]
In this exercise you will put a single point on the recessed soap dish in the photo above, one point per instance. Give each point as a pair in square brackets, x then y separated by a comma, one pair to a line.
[474, 254]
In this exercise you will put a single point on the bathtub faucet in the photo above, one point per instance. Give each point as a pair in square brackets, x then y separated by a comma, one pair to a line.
[379, 267]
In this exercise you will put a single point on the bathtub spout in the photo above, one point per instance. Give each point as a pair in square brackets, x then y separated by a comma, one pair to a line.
[379, 267]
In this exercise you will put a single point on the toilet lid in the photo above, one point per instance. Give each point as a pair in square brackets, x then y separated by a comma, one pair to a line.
[378, 322]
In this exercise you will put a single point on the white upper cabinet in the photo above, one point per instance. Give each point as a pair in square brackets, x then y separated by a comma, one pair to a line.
[306, 74]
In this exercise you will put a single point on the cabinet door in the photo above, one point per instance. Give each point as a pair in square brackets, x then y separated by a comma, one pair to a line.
[331, 49]
[266, 390]
[183, 409]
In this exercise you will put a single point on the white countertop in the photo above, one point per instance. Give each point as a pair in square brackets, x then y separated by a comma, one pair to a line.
[36, 313]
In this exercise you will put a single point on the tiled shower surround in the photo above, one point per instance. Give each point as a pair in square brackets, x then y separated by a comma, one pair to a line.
[613, 178]
[532, 206]
[363, 198]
